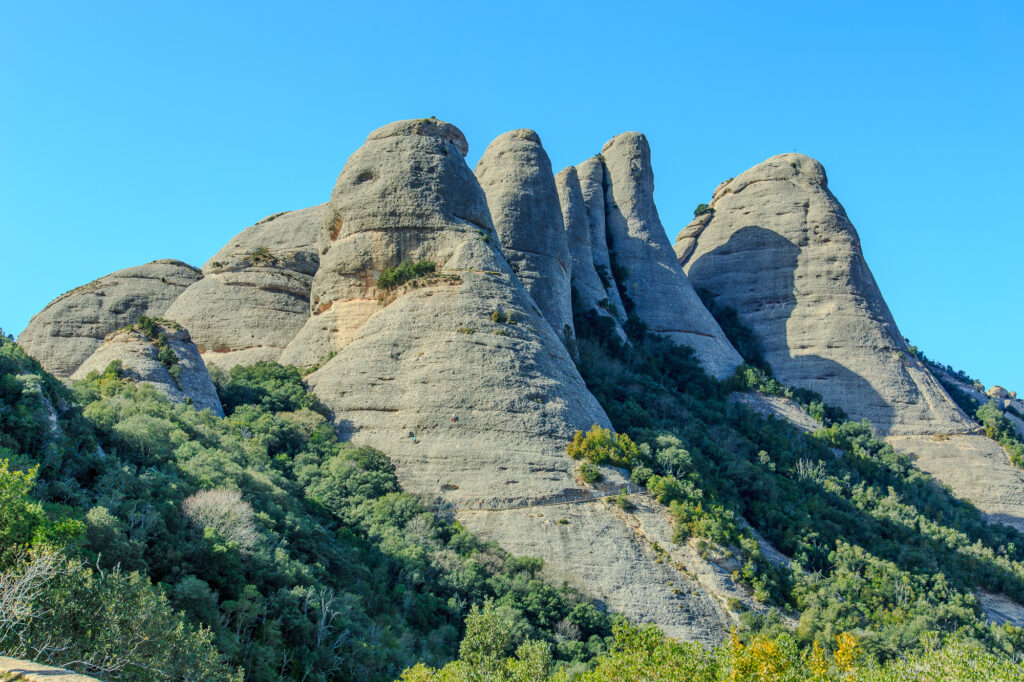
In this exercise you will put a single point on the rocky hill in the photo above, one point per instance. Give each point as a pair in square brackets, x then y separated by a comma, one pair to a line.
[439, 314]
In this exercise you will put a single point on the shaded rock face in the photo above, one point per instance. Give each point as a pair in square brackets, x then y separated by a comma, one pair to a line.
[74, 325]
[780, 249]
[590, 291]
[592, 174]
[515, 174]
[139, 360]
[658, 291]
[254, 297]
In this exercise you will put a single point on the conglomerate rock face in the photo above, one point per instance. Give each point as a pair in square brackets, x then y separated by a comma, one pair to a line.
[515, 174]
[644, 264]
[586, 283]
[779, 248]
[592, 174]
[73, 326]
[254, 297]
[139, 359]
[465, 340]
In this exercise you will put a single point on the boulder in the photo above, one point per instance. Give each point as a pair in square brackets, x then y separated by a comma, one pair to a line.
[254, 297]
[653, 283]
[997, 393]
[179, 374]
[589, 290]
[515, 174]
[779, 248]
[592, 182]
[74, 325]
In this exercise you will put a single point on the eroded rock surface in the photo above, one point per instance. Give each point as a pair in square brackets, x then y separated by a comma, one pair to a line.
[590, 290]
[254, 297]
[779, 248]
[73, 326]
[515, 174]
[651, 278]
[139, 358]
[592, 183]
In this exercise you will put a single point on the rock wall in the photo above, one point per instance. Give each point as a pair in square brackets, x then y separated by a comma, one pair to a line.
[651, 278]
[590, 291]
[592, 183]
[515, 174]
[138, 356]
[779, 248]
[72, 326]
[254, 297]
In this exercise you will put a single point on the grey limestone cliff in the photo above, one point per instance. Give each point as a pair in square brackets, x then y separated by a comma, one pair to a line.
[71, 327]
[515, 174]
[592, 175]
[654, 283]
[254, 297]
[779, 248]
[138, 356]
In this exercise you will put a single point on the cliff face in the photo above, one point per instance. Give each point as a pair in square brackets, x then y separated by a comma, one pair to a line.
[73, 326]
[516, 177]
[254, 296]
[778, 247]
[645, 267]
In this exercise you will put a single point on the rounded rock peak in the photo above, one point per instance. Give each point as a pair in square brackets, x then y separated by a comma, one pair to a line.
[785, 167]
[630, 137]
[569, 173]
[427, 127]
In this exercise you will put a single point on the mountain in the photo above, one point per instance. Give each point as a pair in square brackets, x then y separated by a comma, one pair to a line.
[730, 433]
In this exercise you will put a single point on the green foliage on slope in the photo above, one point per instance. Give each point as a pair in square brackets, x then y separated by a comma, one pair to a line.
[261, 540]
[879, 548]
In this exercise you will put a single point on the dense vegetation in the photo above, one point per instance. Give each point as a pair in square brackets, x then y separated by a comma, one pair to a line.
[256, 544]
[643, 653]
[879, 548]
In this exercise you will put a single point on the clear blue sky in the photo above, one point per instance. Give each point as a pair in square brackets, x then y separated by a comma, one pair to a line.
[136, 131]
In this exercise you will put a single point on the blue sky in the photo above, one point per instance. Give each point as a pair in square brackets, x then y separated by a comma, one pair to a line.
[136, 131]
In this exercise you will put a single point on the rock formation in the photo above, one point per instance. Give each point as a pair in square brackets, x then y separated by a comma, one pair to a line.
[644, 264]
[592, 183]
[515, 174]
[73, 326]
[778, 247]
[254, 297]
[586, 283]
[182, 377]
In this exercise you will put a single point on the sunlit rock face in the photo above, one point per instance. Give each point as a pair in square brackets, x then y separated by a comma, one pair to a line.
[515, 174]
[644, 265]
[74, 325]
[778, 247]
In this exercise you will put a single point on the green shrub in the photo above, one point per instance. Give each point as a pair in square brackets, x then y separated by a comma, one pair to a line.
[590, 473]
[702, 209]
[406, 271]
[600, 446]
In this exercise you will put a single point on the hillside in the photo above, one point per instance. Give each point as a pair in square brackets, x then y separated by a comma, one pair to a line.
[508, 413]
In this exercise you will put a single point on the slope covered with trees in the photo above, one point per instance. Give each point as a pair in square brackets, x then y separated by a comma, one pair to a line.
[253, 545]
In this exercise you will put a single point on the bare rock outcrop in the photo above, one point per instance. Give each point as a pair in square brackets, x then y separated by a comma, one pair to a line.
[254, 297]
[515, 174]
[464, 340]
[587, 284]
[779, 248]
[179, 373]
[592, 183]
[651, 277]
[72, 326]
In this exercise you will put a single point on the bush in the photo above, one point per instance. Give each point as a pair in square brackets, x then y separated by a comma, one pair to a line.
[406, 271]
[590, 473]
[702, 209]
[600, 446]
